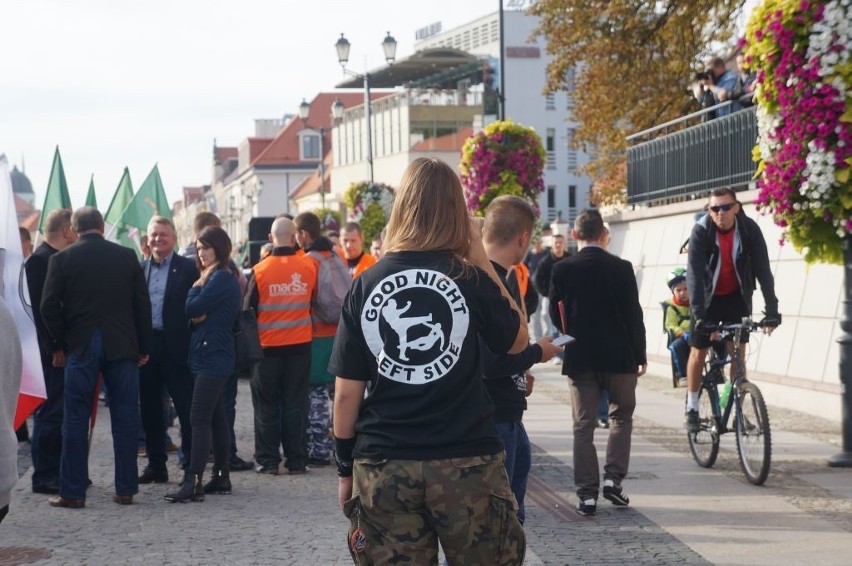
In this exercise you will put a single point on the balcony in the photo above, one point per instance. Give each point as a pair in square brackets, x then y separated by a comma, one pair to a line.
[691, 161]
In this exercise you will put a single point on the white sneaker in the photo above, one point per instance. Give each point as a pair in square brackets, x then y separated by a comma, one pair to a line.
[682, 382]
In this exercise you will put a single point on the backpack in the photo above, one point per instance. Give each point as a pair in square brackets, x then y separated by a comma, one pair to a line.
[333, 282]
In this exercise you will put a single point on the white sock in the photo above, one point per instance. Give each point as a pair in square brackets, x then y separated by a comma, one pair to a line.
[692, 401]
[609, 483]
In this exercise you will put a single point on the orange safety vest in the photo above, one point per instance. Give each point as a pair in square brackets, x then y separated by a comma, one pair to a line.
[522, 272]
[285, 285]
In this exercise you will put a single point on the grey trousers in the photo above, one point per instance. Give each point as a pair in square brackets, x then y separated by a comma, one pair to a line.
[586, 390]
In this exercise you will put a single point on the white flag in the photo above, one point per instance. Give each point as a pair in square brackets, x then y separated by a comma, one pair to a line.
[16, 294]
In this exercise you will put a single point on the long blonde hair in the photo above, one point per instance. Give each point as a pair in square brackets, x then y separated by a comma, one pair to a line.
[429, 212]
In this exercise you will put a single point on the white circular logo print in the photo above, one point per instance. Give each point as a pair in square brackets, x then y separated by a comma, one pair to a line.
[415, 322]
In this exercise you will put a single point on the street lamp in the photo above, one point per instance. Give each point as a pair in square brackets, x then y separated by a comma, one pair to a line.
[389, 47]
[304, 114]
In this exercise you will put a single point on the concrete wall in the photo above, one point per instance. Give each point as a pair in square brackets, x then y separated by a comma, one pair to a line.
[797, 366]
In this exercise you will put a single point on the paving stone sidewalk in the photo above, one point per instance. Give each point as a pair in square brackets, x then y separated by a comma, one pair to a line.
[295, 520]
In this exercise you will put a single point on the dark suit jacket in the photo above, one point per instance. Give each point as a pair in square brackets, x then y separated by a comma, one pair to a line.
[602, 311]
[94, 284]
[36, 268]
[182, 274]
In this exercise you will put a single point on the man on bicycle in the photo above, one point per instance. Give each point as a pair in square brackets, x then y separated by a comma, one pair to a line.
[727, 253]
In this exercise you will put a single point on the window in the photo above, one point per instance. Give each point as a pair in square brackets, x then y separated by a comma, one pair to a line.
[550, 101]
[550, 144]
[310, 146]
[572, 196]
[551, 196]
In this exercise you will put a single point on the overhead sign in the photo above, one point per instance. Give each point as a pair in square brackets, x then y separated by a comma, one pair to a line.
[428, 31]
[523, 52]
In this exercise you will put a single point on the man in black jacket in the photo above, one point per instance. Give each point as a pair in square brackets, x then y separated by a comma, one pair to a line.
[727, 253]
[506, 237]
[169, 277]
[46, 439]
[95, 305]
[600, 302]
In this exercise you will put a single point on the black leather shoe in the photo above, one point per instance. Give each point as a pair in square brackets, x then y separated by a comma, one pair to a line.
[154, 476]
[49, 488]
[239, 465]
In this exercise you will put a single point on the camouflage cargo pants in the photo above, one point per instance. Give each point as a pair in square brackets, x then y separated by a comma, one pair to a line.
[319, 422]
[401, 508]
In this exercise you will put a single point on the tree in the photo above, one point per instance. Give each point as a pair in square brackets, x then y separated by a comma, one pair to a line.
[626, 65]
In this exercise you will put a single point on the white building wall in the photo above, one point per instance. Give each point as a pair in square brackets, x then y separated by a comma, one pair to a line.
[525, 76]
[796, 367]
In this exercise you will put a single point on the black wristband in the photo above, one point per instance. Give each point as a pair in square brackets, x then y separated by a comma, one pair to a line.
[343, 449]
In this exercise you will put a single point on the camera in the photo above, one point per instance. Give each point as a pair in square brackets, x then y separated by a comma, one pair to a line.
[703, 76]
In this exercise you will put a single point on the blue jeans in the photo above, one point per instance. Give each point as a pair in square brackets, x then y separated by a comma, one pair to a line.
[122, 380]
[516, 443]
[46, 438]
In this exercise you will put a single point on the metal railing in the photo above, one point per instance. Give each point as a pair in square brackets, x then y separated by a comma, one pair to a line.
[688, 163]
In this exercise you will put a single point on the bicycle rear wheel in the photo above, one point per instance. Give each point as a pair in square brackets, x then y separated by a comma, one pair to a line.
[704, 444]
[754, 439]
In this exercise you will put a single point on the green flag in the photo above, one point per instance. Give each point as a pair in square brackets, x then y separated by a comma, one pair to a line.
[122, 197]
[91, 199]
[57, 191]
[149, 200]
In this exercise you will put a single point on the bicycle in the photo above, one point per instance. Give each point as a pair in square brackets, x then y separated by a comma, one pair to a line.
[751, 419]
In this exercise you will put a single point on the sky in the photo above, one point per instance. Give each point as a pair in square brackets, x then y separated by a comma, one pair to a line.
[138, 83]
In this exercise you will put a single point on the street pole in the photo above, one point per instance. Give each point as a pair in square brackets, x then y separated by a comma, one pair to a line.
[368, 134]
[322, 166]
[502, 98]
[844, 459]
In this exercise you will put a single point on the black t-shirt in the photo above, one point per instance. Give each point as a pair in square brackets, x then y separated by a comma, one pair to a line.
[352, 263]
[409, 327]
[505, 374]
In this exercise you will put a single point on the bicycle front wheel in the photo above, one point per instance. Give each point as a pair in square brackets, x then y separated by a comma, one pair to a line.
[704, 444]
[754, 440]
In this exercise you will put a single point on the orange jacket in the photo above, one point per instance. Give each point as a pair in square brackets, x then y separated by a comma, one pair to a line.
[285, 285]
[366, 261]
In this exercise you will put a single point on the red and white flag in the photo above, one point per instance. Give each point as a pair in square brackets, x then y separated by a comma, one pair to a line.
[13, 288]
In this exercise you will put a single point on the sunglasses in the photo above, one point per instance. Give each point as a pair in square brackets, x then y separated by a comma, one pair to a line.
[721, 207]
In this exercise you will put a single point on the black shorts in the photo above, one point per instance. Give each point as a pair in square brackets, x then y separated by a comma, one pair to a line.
[727, 309]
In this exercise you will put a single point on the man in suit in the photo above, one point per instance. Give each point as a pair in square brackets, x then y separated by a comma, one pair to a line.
[600, 302]
[46, 440]
[95, 305]
[169, 278]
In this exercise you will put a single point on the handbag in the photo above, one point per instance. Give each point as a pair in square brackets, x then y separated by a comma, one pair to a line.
[248, 348]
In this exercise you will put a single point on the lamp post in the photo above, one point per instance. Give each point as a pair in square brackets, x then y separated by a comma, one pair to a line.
[304, 114]
[389, 47]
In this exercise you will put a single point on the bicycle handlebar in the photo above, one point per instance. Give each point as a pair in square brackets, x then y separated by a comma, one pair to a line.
[746, 324]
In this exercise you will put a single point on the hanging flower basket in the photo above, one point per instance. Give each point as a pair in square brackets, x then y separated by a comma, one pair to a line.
[369, 205]
[801, 54]
[503, 159]
[330, 220]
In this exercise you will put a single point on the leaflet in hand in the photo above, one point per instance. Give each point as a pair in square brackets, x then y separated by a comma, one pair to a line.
[563, 340]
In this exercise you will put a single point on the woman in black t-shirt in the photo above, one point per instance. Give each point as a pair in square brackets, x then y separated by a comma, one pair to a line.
[421, 448]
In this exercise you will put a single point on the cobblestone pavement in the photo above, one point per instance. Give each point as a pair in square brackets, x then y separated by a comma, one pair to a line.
[295, 520]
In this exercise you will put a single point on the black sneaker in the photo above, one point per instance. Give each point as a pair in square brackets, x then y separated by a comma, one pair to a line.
[270, 469]
[588, 507]
[616, 495]
[237, 464]
[691, 423]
